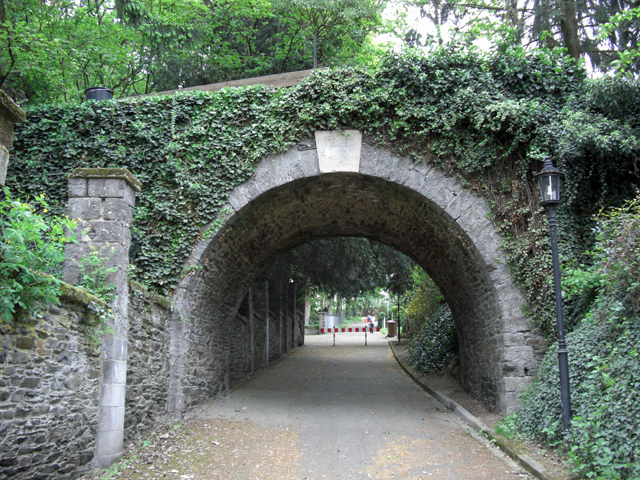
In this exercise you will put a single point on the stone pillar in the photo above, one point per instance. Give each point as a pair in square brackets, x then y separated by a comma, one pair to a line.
[102, 201]
[10, 113]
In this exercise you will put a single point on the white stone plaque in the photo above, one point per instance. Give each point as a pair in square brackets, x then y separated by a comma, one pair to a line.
[339, 151]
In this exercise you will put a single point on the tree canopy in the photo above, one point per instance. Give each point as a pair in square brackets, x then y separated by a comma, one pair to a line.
[52, 50]
[344, 266]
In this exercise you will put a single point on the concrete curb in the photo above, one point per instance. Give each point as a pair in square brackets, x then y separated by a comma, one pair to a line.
[527, 462]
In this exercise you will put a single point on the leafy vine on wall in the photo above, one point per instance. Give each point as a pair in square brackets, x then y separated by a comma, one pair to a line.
[490, 118]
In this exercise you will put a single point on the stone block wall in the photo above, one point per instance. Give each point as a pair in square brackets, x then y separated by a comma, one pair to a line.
[275, 341]
[239, 348]
[147, 362]
[50, 385]
[48, 393]
[214, 353]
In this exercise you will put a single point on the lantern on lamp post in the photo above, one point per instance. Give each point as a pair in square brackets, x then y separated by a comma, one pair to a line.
[549, 181]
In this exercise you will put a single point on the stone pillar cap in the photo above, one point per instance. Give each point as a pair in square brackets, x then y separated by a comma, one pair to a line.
[9, 110]
[121, 173]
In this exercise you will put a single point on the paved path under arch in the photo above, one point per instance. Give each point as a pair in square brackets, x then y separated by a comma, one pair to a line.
[355, 414]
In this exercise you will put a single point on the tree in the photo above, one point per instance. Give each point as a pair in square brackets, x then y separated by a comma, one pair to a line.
[606, 32]
[424, 299]
[322, 17]
[51, 50]
[343, 266]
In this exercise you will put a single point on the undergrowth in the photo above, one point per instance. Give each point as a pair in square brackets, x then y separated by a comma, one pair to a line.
[435, 348]
[31, 255]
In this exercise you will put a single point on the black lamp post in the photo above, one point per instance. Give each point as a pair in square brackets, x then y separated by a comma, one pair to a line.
[549, 180]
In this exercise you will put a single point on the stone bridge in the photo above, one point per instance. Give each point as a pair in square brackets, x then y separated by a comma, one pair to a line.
[339, 185]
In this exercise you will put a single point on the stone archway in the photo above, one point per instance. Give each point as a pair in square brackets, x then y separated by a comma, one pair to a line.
[346, 187]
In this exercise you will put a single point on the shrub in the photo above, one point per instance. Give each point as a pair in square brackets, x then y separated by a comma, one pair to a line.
[435, 348]
[93, 273]
[31, 248]
[423, 301]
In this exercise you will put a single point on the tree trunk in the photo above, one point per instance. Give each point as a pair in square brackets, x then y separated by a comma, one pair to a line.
[569, 28]
[513, 18]
[315, 48]
[330, 306]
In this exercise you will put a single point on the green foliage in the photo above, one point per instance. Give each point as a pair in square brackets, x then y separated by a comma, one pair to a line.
[94, 274]
[616, 97]
[31, 251]
[488, 118]
[605, 33]
[317, 19]
[622, 28]
[422, 301]
[604, 371]
[348, 267]
[604, 366]
[52, 50]
[435, 348]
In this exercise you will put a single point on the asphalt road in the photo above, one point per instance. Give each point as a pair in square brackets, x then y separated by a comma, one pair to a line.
[358, 415]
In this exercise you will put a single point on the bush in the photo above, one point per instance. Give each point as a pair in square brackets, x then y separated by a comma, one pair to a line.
[423, 301]
[30, 249]
[604, 365]
[435, 348]
[93, 273]
[605, 378]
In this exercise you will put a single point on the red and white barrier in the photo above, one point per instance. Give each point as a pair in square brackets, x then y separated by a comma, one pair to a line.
[345, 330]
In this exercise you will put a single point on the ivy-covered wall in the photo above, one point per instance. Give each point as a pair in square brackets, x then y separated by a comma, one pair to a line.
[488, 118]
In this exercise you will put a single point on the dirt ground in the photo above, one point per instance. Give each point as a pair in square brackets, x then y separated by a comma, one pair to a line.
[213, 449]
[555, 463]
